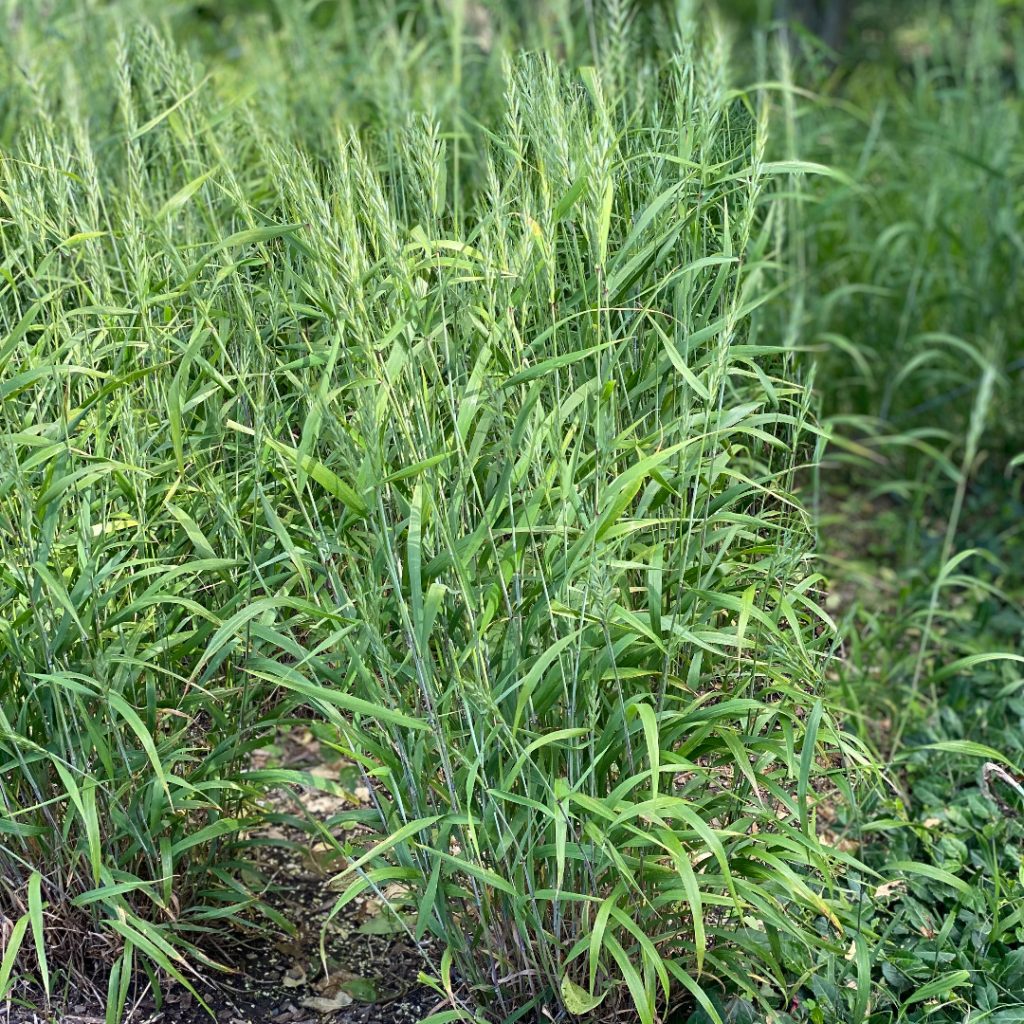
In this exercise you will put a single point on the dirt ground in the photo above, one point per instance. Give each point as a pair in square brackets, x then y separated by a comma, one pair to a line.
[278, 976]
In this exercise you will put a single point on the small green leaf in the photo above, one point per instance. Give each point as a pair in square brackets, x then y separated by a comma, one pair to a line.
[579, 1001]
[35, 913]
[940, 987]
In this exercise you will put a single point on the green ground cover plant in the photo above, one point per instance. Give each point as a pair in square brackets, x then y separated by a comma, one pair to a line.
[953, 927]
[913, 269]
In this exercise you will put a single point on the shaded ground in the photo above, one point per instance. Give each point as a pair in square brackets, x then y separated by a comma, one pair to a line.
[372, 964]
[371, 978]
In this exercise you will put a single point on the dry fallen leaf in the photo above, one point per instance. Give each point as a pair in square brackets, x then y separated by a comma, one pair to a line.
[295, 977]
[322, 1004]
[888, 888]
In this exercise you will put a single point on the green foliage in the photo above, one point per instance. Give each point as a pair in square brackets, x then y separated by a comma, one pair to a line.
[475, 445]
[911, 294]
[947, 835]
[123, 756]
[579, 559]
[465, 402]
[916, 264]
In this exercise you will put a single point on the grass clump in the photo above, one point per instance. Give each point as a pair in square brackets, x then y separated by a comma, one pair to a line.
[494, 469]
[123, 757]
[588, 574]
[467, 410]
